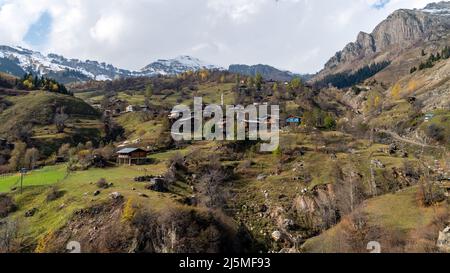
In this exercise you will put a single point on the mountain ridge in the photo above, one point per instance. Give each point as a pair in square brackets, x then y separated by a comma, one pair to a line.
[401, 31]
[18, 61]
[267, 72]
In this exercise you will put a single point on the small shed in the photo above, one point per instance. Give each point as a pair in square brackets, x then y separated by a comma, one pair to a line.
[131, 156]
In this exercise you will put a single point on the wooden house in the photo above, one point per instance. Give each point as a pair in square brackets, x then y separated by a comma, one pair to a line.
[130, 156]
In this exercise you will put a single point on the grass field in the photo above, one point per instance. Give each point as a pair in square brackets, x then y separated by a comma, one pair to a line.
[45, 176]
[79, 188]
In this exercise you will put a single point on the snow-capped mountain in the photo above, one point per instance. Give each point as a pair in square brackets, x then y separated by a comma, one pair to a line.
[176, 66]
[18, 61]
[441, 8]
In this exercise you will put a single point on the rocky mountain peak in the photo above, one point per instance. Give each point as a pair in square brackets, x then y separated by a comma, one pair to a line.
[401, 30]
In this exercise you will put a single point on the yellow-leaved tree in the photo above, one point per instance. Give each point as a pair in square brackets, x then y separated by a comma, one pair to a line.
[412, 86]
[396, 91]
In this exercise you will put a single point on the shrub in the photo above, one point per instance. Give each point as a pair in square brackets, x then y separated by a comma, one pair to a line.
[435, 132]
[102, 183]
[7, 205]
[188, 231]
[129, 211]
[54, 194]
[45, 243]
[9, 237]
[329, 123]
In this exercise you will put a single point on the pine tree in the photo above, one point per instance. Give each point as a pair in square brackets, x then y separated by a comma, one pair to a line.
[258, 81]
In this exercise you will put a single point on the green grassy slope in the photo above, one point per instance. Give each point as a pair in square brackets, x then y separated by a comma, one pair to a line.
[38, 108]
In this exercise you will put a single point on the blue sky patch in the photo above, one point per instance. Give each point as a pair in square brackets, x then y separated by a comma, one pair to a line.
[39, 31]
[380, 4]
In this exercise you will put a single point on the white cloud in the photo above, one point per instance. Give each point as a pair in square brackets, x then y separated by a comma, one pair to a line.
[299, 35]
[108, 29]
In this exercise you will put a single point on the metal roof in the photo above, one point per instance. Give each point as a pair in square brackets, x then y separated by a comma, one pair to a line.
[128, 150]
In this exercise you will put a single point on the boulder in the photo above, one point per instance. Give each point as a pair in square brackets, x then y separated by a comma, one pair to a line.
[116, 195]
[96, 193]
[263, 208]
[393, 148]
[276, 235]
[157, 184]
[377, 163]
[31, 212]
[443, 242]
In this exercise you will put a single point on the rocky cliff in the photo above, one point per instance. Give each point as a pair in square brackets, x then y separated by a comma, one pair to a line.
[401, 31]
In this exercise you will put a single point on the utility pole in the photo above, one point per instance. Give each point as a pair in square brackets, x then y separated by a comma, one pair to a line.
[23, 171]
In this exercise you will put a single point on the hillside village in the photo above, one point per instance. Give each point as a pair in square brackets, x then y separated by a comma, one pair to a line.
[363, 156]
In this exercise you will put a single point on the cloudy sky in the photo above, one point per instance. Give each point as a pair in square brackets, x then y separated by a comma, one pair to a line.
[297, 35]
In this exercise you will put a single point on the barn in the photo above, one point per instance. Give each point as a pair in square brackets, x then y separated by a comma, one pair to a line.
[130, 156]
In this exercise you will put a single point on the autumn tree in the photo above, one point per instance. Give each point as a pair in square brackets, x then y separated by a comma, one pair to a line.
[275, 88]
[204, 74]
[296, 83]
[396, 91]
[31, 157]
[17, 155]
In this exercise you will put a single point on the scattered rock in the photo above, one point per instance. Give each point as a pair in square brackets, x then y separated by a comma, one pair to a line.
[263, 208]
[143, 195]
[288, 251]
[282, 196]
[288, 224]
[276, 235]
[393, 148]
[377, 163]
[157, 184]
[31, 212]
[116, 195]
[443, 242]
[261, 177]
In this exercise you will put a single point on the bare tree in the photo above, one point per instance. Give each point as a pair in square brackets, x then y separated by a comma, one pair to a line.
[31, 158]
[60, 119]
[9, 233]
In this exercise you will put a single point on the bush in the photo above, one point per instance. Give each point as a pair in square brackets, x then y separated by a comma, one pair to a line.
[329, 123]
[102, 183]
[9, 237]
[7, 205]
[54, 194]
[435, 132]
[188, 231]
[129, 211]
